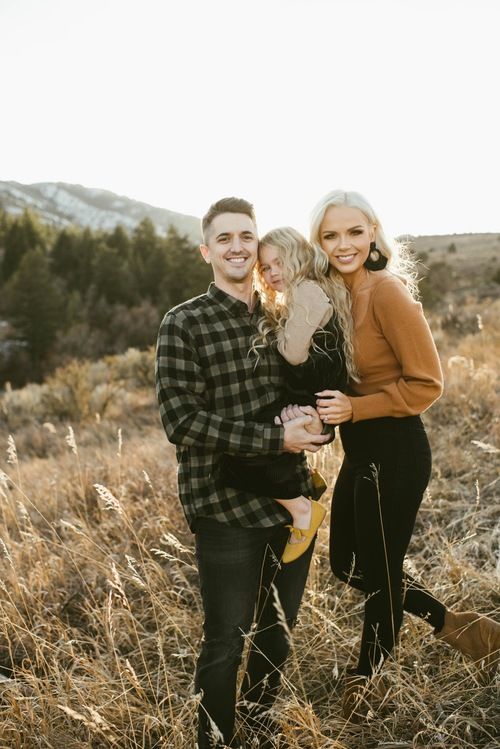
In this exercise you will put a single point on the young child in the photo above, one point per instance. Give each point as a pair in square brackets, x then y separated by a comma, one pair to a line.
[299, 320]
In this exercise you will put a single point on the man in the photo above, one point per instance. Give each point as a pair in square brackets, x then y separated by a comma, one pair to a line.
[210, 389]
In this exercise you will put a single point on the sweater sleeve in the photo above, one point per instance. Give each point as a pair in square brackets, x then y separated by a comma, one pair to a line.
[310, 309]
[402, 323]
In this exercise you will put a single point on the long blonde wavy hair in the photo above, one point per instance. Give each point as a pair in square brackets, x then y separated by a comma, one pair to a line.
[400, 262]
[300, 260]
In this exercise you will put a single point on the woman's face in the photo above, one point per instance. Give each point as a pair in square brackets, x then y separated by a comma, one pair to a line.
[345, 235]
[271, 267]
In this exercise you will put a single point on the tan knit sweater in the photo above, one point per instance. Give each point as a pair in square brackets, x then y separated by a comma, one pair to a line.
[394, 350]
[310, 310]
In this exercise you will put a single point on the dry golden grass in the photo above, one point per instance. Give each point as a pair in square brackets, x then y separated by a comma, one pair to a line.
[100, 618]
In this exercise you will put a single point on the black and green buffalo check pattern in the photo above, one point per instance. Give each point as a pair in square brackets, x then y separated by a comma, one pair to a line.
[210, 387]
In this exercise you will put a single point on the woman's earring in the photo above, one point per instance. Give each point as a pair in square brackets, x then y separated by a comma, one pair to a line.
[375, 259]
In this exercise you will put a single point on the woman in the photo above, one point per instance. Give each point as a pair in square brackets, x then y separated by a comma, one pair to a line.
[387, 456]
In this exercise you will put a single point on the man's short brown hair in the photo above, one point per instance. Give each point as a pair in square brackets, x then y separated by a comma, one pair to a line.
[225, 205]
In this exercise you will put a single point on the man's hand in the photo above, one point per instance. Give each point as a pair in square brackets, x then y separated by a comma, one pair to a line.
[334, 407]
[297, 438]
[294, 412]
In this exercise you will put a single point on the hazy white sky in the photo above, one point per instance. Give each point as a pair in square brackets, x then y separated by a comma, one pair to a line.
[279, 101]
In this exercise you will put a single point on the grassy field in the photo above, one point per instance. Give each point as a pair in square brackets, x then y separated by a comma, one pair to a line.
[100, 617]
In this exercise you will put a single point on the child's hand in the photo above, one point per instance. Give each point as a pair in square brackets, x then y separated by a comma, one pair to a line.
[294, 411]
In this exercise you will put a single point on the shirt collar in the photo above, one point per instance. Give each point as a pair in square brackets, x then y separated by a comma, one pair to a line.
[230, 303]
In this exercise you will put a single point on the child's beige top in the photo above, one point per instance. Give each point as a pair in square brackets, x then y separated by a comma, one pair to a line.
[309, 310]
[394, 351]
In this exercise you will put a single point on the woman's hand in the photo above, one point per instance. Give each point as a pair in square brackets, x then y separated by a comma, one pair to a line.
[294, 411]
[333, 407]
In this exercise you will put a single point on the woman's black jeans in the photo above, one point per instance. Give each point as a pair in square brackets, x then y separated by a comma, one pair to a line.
[238, 568]
[376, 498]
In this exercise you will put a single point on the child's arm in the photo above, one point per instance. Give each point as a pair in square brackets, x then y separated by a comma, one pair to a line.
[310, 310]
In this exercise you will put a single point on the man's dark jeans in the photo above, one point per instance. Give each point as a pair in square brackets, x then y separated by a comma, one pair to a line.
[237, 568]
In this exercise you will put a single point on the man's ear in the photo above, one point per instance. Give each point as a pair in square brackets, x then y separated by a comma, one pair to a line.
[205, 253]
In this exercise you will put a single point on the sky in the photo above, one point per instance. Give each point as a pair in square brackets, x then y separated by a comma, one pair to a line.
[279, 101]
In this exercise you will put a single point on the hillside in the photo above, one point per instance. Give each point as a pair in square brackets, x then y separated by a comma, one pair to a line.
[469, 249]
[61, 205]
[473, 256]
[455, 269]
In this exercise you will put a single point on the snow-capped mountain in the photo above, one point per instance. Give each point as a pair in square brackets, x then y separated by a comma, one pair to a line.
[62, 204]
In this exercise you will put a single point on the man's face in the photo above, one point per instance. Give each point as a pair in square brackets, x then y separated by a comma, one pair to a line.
[231, 248]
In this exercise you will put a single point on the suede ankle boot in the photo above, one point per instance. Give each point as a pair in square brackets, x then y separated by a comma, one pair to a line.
[473, 635]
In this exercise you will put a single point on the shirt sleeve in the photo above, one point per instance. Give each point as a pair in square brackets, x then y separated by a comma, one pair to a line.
[181, 392]
[310, 309]
[402, 322]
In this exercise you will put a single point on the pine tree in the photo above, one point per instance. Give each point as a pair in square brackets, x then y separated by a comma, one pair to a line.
[24, 234]
[4, 225]
[111, 275]
[187, 275]
[120, 240]
[64, 255]
[148, 261]
[34, 304]
[88, 245]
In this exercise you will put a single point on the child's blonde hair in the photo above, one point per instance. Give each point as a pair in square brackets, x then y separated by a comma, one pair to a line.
[300, 260]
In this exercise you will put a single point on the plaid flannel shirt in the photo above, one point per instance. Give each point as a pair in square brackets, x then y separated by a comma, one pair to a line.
[209, 389]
